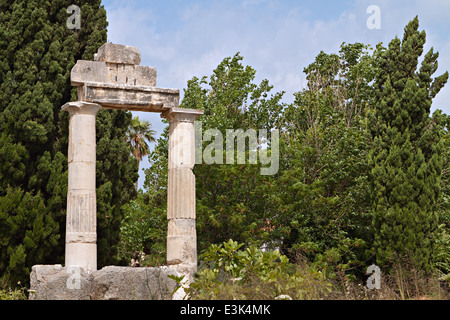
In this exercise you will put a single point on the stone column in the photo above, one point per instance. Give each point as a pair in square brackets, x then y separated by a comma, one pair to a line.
[81, 219]
[181, 233]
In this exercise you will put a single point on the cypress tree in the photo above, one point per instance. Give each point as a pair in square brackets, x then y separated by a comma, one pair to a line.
[405, 158]
[37, 53]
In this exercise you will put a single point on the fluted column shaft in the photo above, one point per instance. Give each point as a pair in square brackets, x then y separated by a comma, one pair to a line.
[181, 235]
[81, 219]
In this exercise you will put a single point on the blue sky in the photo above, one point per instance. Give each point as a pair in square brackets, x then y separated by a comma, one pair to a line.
[278, 38]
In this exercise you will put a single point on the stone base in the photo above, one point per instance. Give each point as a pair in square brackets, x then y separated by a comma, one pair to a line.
[54, 282]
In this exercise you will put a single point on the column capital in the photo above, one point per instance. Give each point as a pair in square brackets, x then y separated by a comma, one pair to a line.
[81, 107]
[181, 114]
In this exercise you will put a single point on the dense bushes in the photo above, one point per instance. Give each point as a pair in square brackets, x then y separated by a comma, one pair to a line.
[249, 274]
[233, 271]
[358, 156]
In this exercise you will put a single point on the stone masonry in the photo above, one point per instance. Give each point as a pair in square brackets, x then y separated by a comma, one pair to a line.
[54, 282]
[181, 233]
[115, 80]
[81, 219]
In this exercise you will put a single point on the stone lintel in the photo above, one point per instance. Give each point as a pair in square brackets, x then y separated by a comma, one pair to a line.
[129, 97]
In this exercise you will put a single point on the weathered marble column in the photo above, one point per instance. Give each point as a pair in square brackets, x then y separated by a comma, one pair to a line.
[81, 219]
[181, 234]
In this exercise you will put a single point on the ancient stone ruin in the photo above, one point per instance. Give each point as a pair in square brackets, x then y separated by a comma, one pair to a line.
[115, 80]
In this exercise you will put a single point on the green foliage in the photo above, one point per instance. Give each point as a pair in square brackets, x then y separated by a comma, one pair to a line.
[360, 164]
[405, 158]
[253, 274]
[156, 178]
[229, 204]
[13, 294]
[356, 143]
[18, 292]
[442, 253]
[238, 264]
[142, 233]
[323, 205]
[442, 240]
[232, 271]
[363, 167]
[115, 178]
[26, 233]
[37, 53]
[231, 100]
[139, 133]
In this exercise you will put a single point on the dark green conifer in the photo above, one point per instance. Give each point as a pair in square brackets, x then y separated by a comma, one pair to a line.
[406, 155]
[37, 53]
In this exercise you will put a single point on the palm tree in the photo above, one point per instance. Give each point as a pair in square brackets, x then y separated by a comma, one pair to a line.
[139, 133]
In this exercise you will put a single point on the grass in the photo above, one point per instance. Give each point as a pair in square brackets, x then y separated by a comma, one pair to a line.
[7, 293]
[307, 284]
[400, 284]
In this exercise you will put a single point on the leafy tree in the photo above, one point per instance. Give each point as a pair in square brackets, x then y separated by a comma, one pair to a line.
[319, 204]
[232, 199]
[406, 159]
[143, 233]
[139, 133]
[156, 174]
[323, 211]
[37, 53]
[116, 174]
[144, 228]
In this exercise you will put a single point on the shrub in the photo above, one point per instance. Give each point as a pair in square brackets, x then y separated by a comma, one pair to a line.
[142, 234]
[7, 293]
[251, 274]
